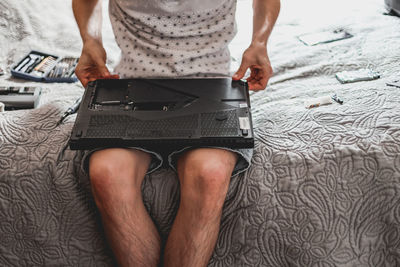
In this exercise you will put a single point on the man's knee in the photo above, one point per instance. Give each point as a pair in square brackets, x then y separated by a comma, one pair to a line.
[206, 177]
[104, 172]
[211, 176]
[114, 171]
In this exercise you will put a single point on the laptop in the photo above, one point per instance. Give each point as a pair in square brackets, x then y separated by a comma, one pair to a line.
[164, 114]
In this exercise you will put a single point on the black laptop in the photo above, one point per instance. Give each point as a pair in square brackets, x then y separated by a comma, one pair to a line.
[164, 114]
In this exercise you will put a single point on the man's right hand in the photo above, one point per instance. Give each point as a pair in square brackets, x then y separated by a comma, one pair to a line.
[92, 63]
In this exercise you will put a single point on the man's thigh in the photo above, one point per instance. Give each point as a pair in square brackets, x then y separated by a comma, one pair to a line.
[119, 156]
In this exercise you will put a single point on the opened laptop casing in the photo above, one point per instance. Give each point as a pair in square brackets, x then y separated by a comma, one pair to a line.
[164, 114]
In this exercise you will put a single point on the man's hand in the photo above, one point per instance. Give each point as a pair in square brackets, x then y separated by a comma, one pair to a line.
[265, 13]
[256, 58]
[92, 63]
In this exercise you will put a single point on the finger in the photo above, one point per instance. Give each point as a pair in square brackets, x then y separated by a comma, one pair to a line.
[81, 77]
[259, 74]
[91, 79]
[255, 86]
[262, 76]
[259, 84]
[262, 83]
[254, 83]
[249, 81]
[104, 72]
[254, 75]
[101, 66]
[241, 71]
[79, 73]
[256, 70]
[84, 82]
[113, 76]
[266, 75]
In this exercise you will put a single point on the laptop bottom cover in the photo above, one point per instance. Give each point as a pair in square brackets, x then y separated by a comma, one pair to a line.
[164, 114]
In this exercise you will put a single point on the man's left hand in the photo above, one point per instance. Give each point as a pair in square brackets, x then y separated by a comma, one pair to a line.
[256, 58]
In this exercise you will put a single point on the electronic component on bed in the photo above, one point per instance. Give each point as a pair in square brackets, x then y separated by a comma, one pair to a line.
[20, 97]
[357, 75]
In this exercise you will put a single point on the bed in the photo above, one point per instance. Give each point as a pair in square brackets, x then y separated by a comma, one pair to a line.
[324, 185]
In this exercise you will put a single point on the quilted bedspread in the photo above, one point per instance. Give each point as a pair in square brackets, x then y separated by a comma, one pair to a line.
[324, 185]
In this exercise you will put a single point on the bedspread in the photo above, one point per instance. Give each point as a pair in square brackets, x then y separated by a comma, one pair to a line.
[324, 185]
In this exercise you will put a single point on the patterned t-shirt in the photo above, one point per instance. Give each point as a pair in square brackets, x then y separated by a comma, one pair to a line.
[173, 38]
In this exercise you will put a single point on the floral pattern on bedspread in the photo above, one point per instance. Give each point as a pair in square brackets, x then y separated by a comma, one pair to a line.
[323, 188]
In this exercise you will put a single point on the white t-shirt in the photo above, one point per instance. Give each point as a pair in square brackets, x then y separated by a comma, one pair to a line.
[173, 38]
[167, 7]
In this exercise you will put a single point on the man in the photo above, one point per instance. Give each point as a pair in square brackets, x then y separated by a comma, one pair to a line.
[182, 38]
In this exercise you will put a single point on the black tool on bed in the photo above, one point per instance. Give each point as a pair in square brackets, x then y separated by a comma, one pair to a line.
[71, 110]
[20, 97]
[43, 67]
[164, 113]
[394, 83]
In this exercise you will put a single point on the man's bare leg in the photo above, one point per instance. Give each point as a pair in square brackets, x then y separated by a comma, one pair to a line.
[116, 176]
[204, 176]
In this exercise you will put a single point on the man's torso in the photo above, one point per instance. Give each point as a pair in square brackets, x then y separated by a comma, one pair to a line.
[173, 38]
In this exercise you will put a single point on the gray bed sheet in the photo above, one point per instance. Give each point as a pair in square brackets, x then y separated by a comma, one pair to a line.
[323, 188]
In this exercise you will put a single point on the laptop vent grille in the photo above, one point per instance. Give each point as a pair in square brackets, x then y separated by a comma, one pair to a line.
[119, 126]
